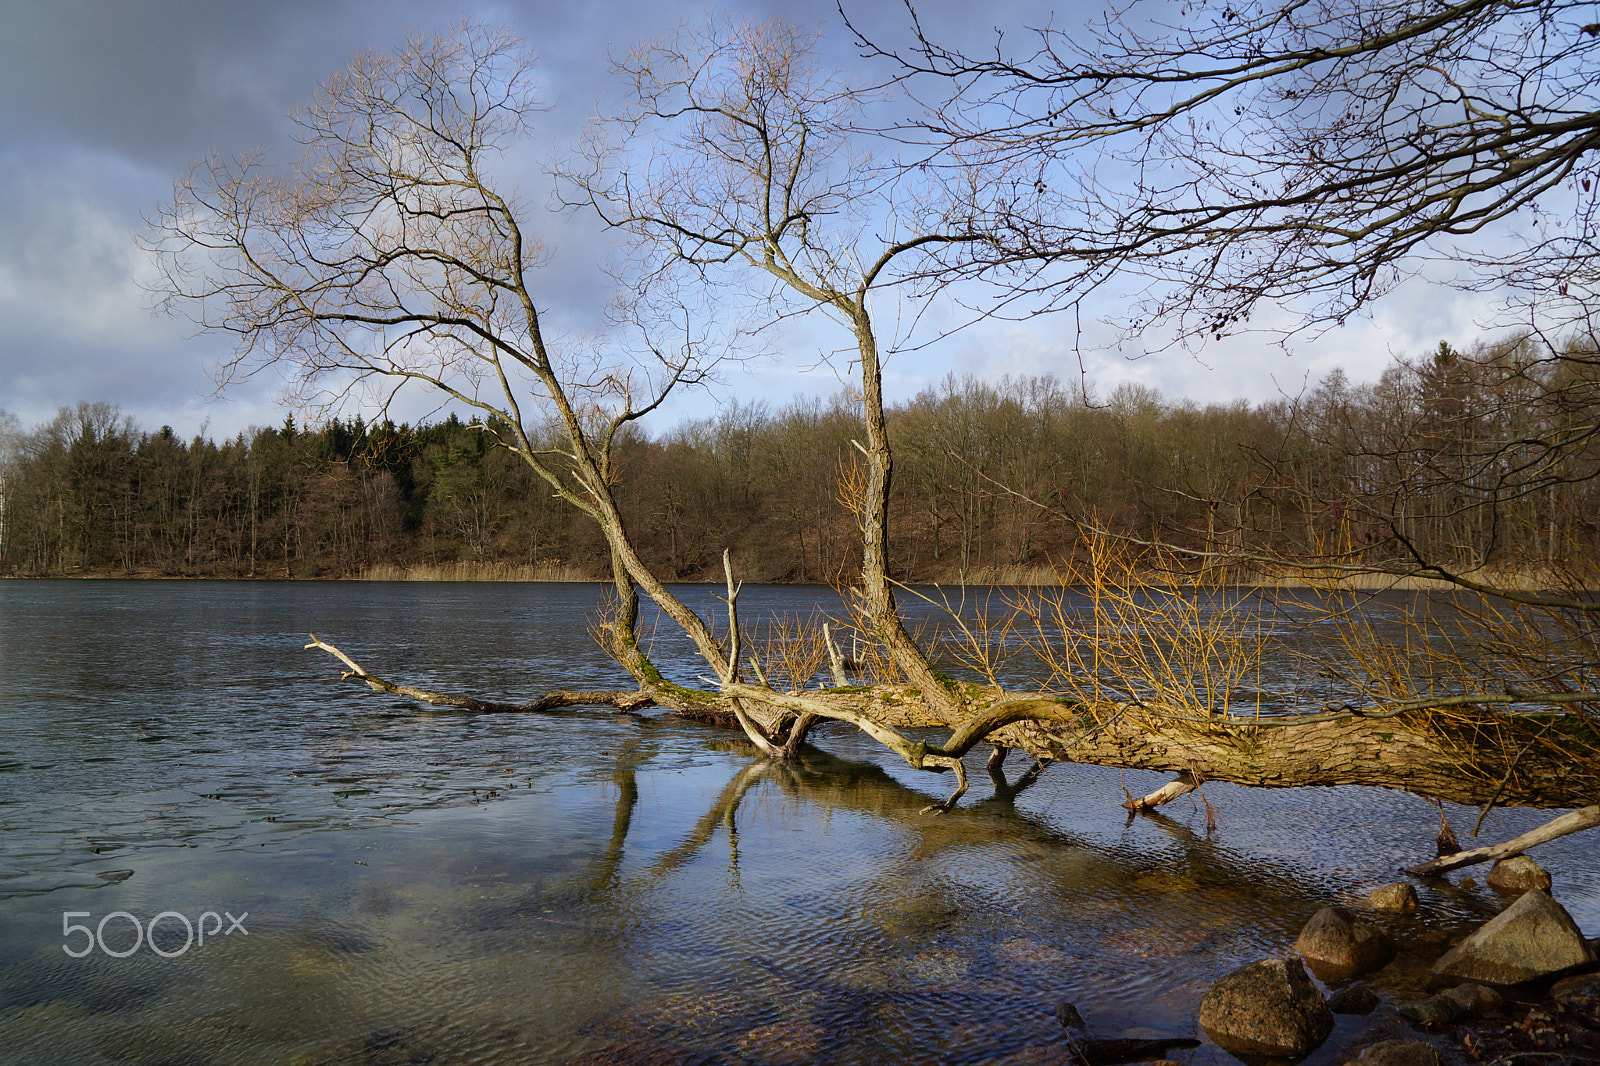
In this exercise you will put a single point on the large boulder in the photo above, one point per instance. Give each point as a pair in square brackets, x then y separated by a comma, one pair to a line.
[1534, 937]
[1516, 875]
[1338, 944]
[1268, 1009]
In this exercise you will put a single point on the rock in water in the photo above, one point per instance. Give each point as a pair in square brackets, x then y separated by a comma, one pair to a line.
[1475, 999]
[1356, 999]
[1435, 1010]
[1399, 1053]
[1463, 1001]
[1518, 874]
[1396, 897]
[1580, 996]
[643, 1053]
[1268, 1008]
[1534, 937]
[1067, 1014]
[1338, 944]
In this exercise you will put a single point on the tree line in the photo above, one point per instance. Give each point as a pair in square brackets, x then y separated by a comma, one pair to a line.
[1445, 456]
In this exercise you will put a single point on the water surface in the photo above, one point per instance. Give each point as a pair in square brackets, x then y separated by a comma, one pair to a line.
[426, 887]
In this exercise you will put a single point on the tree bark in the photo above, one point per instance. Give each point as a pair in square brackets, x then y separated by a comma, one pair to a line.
[877, 591]
[1421, 752]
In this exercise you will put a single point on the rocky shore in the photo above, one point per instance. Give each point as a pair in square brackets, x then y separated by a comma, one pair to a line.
[1522, 989]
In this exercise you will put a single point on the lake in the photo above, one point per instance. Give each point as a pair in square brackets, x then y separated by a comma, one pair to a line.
[322, 874]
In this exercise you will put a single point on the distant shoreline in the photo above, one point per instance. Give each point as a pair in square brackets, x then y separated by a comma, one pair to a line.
[1011, 576]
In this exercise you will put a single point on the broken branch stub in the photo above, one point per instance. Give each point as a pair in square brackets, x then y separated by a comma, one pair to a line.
[1182, 785]
[835, 660]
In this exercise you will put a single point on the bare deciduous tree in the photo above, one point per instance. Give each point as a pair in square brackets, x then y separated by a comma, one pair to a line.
[1260, 157]
[756, 175]
[387, 255]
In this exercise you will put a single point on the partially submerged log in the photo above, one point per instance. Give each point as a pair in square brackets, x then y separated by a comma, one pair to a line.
[1416, 749]
[1113, 1051]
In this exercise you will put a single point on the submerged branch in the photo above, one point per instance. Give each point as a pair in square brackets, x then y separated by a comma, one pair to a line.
[1571, 822]
[622, 700]
[1179, 786]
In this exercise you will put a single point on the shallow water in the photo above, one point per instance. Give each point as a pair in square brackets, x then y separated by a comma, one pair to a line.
[415, 886]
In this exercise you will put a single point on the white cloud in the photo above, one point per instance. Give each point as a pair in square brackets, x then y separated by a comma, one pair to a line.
[68, 261]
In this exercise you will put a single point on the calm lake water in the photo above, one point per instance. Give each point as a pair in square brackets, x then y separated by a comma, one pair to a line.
[421, 887]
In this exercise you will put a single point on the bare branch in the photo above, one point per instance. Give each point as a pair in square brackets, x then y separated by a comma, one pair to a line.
[627, 700]
[1571, 822]
[1312, 158]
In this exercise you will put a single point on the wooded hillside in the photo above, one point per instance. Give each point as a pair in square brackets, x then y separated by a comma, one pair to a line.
[989, 473]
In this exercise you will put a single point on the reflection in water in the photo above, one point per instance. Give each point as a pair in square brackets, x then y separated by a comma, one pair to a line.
[437, 889]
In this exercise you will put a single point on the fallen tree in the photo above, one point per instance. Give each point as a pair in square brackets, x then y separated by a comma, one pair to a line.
[387, 257]
[1419, 749]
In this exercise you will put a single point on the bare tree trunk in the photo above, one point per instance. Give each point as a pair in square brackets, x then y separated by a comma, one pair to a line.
[877, 594]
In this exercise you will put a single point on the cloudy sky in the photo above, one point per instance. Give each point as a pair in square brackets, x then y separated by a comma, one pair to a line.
[104, 102]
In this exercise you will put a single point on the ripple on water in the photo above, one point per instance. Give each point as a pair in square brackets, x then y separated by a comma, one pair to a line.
[406, 903]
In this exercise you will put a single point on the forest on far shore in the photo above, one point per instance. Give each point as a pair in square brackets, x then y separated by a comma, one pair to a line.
[993, 481]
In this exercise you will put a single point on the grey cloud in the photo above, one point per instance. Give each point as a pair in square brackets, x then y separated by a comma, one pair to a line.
[104, 102]
[167, 80]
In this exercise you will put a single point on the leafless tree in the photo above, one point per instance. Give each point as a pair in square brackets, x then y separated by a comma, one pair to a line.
[390, 254]
[387, 255]
[1258, 166]
[1238, 162]
[756, 175]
